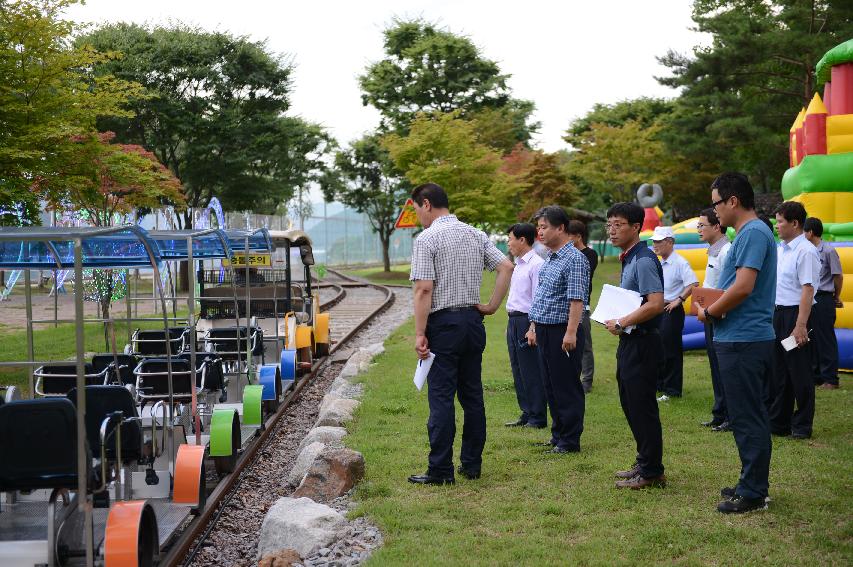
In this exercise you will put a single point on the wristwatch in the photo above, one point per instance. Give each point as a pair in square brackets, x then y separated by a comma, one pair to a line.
[618, 326]
[708, 316]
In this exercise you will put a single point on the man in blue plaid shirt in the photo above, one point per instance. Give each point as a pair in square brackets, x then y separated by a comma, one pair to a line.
[555, 318]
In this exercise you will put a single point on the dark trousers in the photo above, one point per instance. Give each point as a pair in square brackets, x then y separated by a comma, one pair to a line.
[561, 376]
[792, 380]
[718, 412]
[824, 342]
[588, 365]
[671, 376]
[457, 338]
[638, 362]
[524, 361]
[746, 369]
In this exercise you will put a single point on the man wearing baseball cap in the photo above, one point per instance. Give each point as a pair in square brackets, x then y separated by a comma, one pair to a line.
[678, 283]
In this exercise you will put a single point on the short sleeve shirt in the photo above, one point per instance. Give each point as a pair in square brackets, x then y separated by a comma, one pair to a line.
[798, 265]
[453, 255]
[754, 247]
[677, 275]
[717, 253]
[642, 272]
[830, 266]
[563, 278]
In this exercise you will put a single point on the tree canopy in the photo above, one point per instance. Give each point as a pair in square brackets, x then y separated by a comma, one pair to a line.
[48, 97]
[215, 114]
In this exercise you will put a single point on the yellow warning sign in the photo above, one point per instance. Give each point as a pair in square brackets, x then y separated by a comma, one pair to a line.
[254, 260]
[408, 218]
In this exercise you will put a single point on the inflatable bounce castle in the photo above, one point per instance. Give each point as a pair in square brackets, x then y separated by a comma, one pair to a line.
[820, 177]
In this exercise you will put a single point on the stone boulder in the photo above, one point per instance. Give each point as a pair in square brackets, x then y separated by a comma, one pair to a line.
[375, 349]
[303, 462]
[283, 558]
[334, 472]
[299, 524]
[336, 413]
[326, 435]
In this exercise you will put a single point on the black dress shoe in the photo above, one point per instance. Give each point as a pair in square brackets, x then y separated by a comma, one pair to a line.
[470, 475]
[534, 426]
[739, 505]
[800, 436]
[725, 426]
[561, 451]
[429, 479]
[712, 423]
[728, 492]
[518, 423]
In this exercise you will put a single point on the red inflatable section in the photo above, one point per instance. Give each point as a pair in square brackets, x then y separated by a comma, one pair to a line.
[651, 220]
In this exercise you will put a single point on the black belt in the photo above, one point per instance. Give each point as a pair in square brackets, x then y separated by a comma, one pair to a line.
[516, 314]
[454, 309]
[639, 332]
[825, 293]
[784, 307]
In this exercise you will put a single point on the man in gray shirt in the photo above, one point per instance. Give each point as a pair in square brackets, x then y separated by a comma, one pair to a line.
[827, 297]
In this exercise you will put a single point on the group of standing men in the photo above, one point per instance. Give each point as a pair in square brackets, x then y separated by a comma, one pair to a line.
[548, 330]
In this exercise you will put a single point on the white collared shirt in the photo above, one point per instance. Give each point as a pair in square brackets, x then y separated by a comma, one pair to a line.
[797, 264]
[717, 253]
[525, 278]
[677, 275]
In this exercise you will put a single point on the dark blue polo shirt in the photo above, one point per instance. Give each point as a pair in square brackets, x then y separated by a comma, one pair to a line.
[642, 272]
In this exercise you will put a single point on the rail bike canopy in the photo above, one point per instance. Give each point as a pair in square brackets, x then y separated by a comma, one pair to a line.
[259, 240]
[206, 244]
[48, 248]
[295, 238]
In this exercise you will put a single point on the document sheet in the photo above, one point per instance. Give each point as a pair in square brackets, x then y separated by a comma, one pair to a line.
[422, 370]
[615, 302]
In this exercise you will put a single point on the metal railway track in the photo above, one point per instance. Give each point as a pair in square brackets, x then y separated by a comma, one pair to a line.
[348, 317]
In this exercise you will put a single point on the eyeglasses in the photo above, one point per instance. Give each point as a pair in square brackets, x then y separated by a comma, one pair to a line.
[715, 204]
[615, 226]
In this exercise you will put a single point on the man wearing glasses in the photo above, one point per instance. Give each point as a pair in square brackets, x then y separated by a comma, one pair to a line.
[743, 337]
[639, 356]
[712, 232]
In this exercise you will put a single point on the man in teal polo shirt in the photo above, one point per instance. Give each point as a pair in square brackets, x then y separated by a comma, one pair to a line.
[743, 337]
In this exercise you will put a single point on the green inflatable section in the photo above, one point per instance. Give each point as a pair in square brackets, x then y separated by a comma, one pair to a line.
[842, 53]
[252, 404]
[220, 432]
[819, 174]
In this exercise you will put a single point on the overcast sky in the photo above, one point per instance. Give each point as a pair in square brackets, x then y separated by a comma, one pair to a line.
[563, 55]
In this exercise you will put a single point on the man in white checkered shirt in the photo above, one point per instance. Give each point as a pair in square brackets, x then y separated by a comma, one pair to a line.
[448, 260]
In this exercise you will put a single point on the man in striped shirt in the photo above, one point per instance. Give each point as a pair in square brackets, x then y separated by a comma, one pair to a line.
[555, 317]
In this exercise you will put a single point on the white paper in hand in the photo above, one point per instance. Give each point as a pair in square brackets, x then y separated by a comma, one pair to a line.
[614, 303]
[422, 370]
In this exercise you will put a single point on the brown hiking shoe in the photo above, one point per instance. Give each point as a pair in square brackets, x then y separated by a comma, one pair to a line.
[630, 473]
[639, 482]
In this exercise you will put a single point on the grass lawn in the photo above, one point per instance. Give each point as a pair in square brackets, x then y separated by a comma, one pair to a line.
[399, 275]
[530, 508]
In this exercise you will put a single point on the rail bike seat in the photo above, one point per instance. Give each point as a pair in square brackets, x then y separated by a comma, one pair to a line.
[39, 448]
[230, 342]
[152, 342]
[58, 379]
[124, 374]
[101, 402]
[152, 379]
[208, 366]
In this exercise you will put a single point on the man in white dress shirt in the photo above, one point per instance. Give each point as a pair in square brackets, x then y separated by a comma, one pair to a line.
[523, 359]
[712, 232]
[678, 283]
[797, 276]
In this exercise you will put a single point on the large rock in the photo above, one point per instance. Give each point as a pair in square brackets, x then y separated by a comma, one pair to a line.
[327, 435]
[336, 413]
[375, 349]
[303, 462]
[354, 365]
[283, 558]
[299, 524]
[333, 473]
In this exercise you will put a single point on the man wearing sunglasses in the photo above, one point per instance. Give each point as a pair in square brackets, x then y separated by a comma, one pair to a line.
[744, 337]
